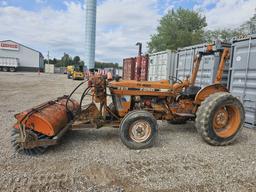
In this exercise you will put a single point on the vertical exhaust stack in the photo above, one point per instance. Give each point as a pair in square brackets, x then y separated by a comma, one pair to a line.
[138, 62]
[140, 48]
[90, 33]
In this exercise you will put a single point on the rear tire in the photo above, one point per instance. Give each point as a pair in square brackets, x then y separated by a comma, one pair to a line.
[5, 69]
[220, 119]
[12, 69]
[138, 130]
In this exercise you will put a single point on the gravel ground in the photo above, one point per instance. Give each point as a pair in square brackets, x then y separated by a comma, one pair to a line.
[96, 160]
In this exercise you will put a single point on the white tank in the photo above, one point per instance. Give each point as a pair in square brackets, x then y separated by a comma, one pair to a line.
[90, 33]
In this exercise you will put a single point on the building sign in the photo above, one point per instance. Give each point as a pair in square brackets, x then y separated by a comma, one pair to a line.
[9, 46]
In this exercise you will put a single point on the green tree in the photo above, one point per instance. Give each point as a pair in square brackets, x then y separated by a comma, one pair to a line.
[102, 65]
[81, 63]
[66, 60]
[178, 28]
[225, 35]
[54, 61]
[76, 60]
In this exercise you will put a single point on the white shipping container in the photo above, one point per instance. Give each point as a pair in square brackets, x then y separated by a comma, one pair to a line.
[242, 81]
[119, 72]
[208, 66]
[49, 68]
[161, 65]
[60, 70]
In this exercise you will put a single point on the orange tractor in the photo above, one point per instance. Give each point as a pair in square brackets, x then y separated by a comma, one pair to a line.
[135, 108]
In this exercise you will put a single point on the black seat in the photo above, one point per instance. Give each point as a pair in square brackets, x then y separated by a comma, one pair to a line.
[191, 91]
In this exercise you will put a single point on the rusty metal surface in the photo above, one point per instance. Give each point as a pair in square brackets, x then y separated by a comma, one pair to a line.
[89, 115]
[33, 144]
[129, 68]
[208, 90]
[140, 131]
[138, 68]
[144, 68]
[48, 118]
[32, 140]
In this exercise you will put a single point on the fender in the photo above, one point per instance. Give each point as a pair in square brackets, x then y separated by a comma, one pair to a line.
[208, 90]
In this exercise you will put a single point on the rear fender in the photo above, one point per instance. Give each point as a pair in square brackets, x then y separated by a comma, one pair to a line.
[208, 90]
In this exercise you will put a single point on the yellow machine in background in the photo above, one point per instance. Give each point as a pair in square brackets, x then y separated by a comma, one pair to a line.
[70, 71]
[78, 73]
[75, 72]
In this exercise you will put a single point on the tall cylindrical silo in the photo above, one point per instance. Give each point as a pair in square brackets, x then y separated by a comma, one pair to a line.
[90, 33]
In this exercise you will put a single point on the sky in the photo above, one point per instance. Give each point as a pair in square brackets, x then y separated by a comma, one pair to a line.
[58, 26]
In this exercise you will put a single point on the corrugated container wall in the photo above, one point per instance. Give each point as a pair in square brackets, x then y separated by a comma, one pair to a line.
[141, 68]
[242, 81]
[129, 68]
[144, 68]
[119, 72]
[138, 68]
[59, 70]
[161, 65]
[208, 67]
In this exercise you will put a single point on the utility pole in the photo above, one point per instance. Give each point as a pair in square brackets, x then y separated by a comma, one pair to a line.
[48, 56]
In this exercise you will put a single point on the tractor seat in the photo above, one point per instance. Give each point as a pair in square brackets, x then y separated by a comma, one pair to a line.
[191, 91]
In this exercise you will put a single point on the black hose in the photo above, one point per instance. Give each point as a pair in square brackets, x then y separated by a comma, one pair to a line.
[83, 95]
[70, 95]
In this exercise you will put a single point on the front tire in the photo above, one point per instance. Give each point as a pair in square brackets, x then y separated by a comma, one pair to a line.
[220, 119]
[138, 130]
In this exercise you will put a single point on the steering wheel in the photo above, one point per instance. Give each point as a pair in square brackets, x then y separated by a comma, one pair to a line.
[176, 80]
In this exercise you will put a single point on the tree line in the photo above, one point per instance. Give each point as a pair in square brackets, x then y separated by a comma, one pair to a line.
[183, 27]
[66, 60]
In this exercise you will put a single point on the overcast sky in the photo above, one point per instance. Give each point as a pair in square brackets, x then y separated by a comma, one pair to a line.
[58, 26]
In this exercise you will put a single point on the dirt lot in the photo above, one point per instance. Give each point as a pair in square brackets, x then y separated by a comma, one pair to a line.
[96, 160]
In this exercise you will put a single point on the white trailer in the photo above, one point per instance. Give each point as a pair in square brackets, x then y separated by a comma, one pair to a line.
[8, 64]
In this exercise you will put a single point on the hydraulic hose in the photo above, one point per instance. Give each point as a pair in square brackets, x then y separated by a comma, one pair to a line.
[70, 95]
[83, 95]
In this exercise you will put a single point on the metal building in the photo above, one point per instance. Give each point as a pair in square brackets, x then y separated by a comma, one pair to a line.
[27, 58]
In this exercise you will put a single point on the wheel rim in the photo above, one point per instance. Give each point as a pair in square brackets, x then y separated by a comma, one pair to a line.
[226, 121]
[140, 131]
